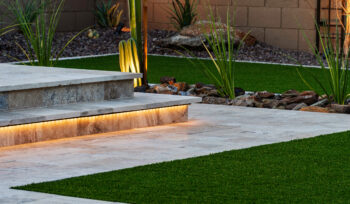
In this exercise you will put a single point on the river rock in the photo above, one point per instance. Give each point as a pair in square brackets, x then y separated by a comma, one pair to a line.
[290, 93]
[167, 80]
[300, 106]
[341, 108]
[214, 100]
[315, 109]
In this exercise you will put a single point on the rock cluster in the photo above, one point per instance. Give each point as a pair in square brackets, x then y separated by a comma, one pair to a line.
[194, 35]
[289, 100]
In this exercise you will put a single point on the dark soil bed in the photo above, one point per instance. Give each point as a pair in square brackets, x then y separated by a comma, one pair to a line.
[108, 43]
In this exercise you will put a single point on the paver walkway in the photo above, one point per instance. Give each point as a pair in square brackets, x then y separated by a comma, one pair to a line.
[211, 129]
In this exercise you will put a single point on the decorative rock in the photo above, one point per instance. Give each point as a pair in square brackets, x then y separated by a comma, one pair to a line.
[264, 94]
[190, 92]
[341, 108]
[321, 103]
[315, 109]
[213, 92]
[142, 88]
[300, 106]
[199, 85]
[163, 89]
[201, 28]
[167, 80]
[291, 106]
[270, 103]
[239, 91]
[181, 86]
[214, 100]
[290, 93]
[245, 100]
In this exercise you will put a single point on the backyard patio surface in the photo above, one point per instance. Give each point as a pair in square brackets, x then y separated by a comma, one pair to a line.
[211, 129]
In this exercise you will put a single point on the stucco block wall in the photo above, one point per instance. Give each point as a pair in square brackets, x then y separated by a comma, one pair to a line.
[280, 23]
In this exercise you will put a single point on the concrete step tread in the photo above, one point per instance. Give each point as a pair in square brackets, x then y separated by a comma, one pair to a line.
[15, 78]
[141, 101]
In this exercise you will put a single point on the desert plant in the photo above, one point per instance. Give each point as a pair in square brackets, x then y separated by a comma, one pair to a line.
[7, 29]
[220, 45]
[336, 69]
[29, 10]
[183, 14]
[136, 10]
[39, 35]
[101, 12]
[114, 15]
[128, 58]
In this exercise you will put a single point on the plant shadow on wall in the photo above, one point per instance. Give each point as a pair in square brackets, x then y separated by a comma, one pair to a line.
[38, 22]
[336, 70]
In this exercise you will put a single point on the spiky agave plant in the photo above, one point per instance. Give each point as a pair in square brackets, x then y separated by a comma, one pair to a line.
[135, 21]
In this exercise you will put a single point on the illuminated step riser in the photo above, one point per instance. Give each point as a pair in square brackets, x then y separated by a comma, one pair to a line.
[44, 131]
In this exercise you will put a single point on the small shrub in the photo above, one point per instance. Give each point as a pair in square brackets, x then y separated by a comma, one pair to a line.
[182, 15]
[40, 34]
[108, 15]
[114, 16]
[336, 68]
[29, 10]
[101, 12]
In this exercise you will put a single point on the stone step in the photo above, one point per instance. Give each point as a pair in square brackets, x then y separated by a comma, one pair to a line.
[71, 120]
[30, 87]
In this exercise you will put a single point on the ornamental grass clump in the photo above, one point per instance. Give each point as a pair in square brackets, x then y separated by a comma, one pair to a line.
[220, 45]
[39, 35]
[336, 68]
[183, 14]
[29, 10]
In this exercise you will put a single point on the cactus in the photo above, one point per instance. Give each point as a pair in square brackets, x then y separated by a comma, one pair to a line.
[128, 58]
[135, 19]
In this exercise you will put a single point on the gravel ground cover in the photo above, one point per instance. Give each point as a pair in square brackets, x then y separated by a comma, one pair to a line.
[108, 43]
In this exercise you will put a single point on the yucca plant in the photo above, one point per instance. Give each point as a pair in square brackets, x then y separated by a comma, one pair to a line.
[114, 16]
[183, 14]
[128, 59]
[7, 29]
[336, 69]
[29, 10]
[40, 34]
[220, 45]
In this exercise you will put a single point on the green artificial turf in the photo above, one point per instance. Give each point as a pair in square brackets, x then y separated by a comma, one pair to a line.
[314, 170]
[250, 76]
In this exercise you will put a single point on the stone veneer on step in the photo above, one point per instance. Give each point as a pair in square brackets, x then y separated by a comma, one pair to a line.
[30, 87]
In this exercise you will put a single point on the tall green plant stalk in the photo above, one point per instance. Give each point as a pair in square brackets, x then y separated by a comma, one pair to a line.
[39, 36]
[135, 20]
[336, 71]
[223, 54]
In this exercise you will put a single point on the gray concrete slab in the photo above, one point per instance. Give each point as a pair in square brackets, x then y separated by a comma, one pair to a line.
[211, 129]
[17, 77]
[140, 101]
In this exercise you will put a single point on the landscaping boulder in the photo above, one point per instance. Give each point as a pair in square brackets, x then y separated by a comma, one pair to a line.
[194, 35]
[341, 108]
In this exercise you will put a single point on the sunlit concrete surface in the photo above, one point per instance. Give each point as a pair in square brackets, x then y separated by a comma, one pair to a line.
[211, 129]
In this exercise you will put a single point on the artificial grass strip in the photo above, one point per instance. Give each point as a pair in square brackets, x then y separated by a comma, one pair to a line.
[314, 170]
[250, 76]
